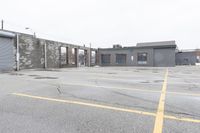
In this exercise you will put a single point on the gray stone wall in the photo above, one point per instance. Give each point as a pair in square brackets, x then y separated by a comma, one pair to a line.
[32, 53]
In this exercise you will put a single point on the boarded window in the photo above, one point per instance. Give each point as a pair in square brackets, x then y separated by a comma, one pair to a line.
[120, 58]
[105, 59]
[142, 58]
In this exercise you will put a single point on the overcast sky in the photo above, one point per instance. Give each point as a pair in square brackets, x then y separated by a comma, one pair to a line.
[106, 22]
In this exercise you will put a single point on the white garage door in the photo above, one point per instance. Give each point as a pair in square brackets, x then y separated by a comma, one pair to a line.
[6, 54]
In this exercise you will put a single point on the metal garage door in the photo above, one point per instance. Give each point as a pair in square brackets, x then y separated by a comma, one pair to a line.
[6, 54]
[164, 57]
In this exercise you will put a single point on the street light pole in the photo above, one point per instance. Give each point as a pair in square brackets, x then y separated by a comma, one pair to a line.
[34, 34]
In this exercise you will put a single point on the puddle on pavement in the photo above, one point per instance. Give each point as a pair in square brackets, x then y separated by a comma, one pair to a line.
[17, 74]
[111, 73]
[158, 81]
[33, 75]
[46, 77]
[155, 72]
[52, 70]
[145, 82]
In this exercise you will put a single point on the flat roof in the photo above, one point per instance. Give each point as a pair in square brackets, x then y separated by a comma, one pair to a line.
[159, 43]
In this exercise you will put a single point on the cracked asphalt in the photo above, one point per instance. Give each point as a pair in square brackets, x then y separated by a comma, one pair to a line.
[99, 100]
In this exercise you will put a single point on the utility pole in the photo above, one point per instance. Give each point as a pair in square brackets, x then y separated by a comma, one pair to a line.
[90, 56]
[2, 22]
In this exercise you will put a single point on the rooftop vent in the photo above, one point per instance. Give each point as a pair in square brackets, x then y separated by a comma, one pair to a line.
[117, 46]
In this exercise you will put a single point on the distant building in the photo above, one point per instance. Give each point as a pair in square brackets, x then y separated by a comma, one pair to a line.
[154, 54]
[188, 57]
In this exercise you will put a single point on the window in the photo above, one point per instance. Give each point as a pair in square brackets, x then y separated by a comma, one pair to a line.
[105, 59]
[198, 59]
[63, 55]
[81, 57]
[132, 58]
[120, 58]
[142, 58]
[73, 50]
[93, 57]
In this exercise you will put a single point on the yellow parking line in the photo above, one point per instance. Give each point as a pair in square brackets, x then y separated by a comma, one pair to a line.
[108, 87]
[182, 119]
[133, 89]
[158, 126]
[182, 93]
[87, 104]
[106, 107]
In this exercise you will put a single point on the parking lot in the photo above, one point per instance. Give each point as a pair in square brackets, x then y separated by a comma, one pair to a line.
[101, 100]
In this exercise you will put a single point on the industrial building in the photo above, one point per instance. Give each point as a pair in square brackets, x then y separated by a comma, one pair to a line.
[188, 57]
[24, 51]
[154, 54]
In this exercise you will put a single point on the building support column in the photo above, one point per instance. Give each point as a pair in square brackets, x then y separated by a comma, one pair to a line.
[45, 55]
[17, 53]
[96, 57]
[89, 60]
[76, 57]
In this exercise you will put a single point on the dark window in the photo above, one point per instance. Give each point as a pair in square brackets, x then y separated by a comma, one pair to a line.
[105, 59]
[142, 58]
[120, 58]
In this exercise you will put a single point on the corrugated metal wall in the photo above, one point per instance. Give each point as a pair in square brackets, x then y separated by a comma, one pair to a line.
[6, 54]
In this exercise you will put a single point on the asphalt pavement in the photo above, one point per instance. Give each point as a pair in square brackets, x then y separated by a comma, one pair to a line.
[101, 100]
